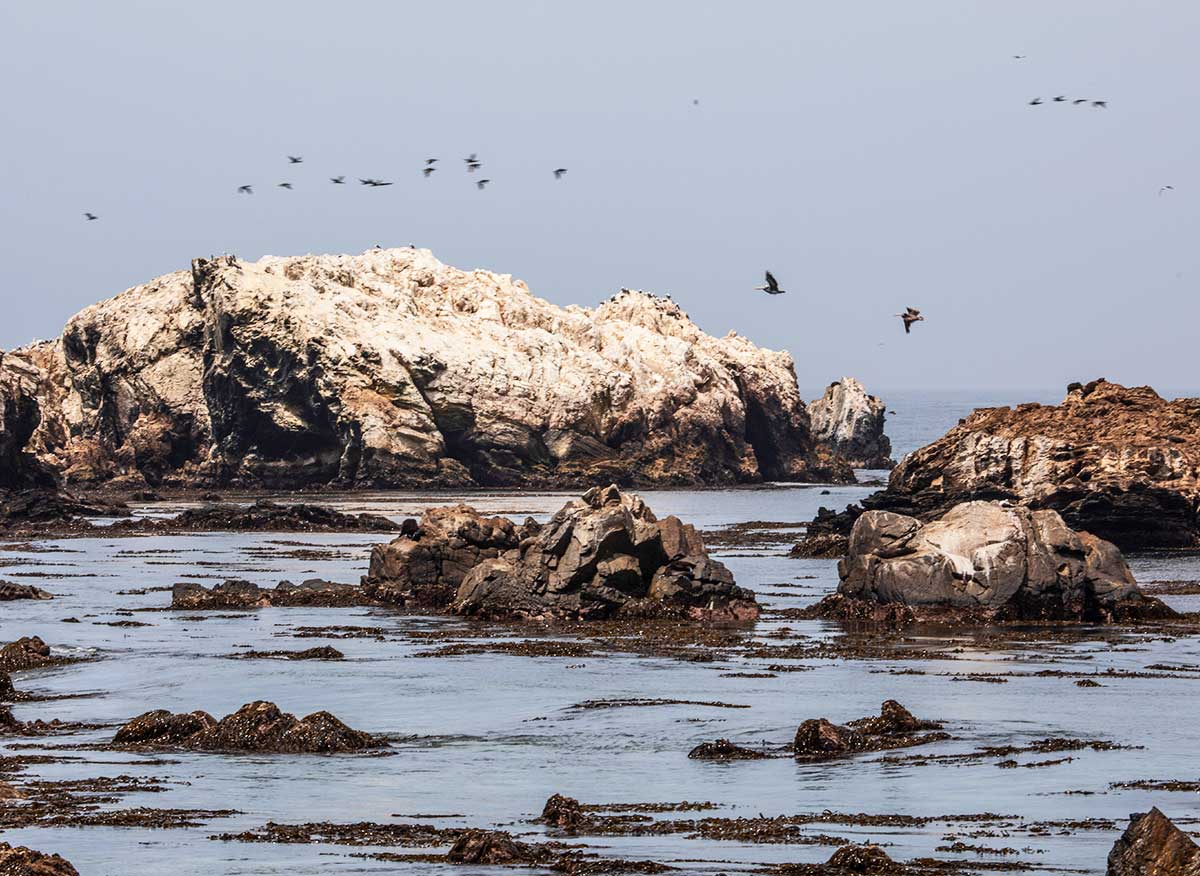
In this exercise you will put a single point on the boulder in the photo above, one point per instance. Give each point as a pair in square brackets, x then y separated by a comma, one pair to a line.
[491, 847]
[1153, 846]
[21, 861]
[894, 727]
[391, 369]
[984, 561]
[258, 726]
[10, 591]
[723, 749]
[867, 859]
[563, 812]
[8, 693]
[243, 594]
[850, 423]
[28, 652]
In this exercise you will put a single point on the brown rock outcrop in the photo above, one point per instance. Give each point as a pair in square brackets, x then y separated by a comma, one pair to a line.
[850, 422]
[244, 594]
[1153, 846]
[10, 591]
[984, 561]
[22, 861]
[391, 369]
[257, 726]
[894, 727]
[28, 652]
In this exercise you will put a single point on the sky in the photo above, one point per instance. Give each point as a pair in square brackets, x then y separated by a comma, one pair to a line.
[872, 154]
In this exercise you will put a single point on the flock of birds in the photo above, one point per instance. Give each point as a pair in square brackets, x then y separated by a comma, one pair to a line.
[472, 163]
[909, 316]
[1078, 101]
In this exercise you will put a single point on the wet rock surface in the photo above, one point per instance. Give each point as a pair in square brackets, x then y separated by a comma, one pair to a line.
[22, 861]
[244, 594]
[10, 591]
[851, 424]
[983, 561]
[1153, 846]
[266, 515]
[28, 652]
[258, 726]
[723, 749]
[600, 556]
[894, 727]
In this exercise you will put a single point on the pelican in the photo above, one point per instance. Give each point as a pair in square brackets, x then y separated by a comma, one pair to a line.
[338, 180]
[910, 315]
[295, 159]
[428, 170]
[285, 185]
[245, 190]
[483, 182]
[559, 171]
[90, 217]
[1037, 101]
[771, 287]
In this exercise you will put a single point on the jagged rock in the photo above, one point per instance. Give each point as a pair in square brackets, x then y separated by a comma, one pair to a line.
[392, 369]
[426, 564]
[42, 505]
[263, 515]
[1118, 462]
[1153, 846]
[563, 812]
[723, 749]
[22, 861]
[28, 652]
[8, 693]
[868, 859]
[8, 792]
[10, 591]
[894, 727]
[257, 726]
[850, 423]
[491, 847]
[984, 561]
[244, 594]
[321, 652]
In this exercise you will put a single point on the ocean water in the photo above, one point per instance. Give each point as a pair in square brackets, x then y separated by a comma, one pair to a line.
[485, 738]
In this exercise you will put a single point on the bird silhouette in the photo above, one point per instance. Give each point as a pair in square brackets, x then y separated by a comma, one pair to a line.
[559, 171]
[471, 159]
[285, 185]
[431, 161]
[1018, 57]
[428, 170]
[910, 315]
[1037, 101]
[1079, 101]
[771, 287]
[90, 217]
[245, 190]
[1060, 98]
[295, 159]
[473, 166]
[373, 182]
[1102, 104]
[483, 182]
[338, 180]
[1160, 191]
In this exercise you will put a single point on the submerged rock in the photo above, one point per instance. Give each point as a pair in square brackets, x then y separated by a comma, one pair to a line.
[492, 847]
[723, 749]
[8, 693]
[850, 423]
[28, 652]
[257, 726]
[10, 591]
[1153, 846]
[391, 369]
[867, 859]
[563, 812]
[22, 861]
[984, 561]
[265, 515]
[243, 594]
[894, 727]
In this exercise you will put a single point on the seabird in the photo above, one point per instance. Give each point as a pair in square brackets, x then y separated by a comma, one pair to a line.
[771, 287]
[285, 185]
[483, 182]
[1102, 104]
[90, 216]
[1079, 101]
[559, 171]
[1037, 101]
[910, 315]
[338, 180]
[428, 170]
[1160, 191]
[471, 159]
[245, 190]
[1018, 57]
[1060, 98]
[431, 161]
[474, 166]
[295, 159]
[373, 182]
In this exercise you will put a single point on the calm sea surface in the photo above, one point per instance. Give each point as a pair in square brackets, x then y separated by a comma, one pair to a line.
[487, 738]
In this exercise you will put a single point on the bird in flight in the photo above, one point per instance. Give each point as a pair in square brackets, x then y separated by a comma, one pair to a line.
[1018, 57]
[245, 190]
[771, 287]
[1079, 101]
[431, 161]
[559, 171]
[910, 315]
[373, 182]
[483, 182]
[474, 166]
[1102, 104]
[1060, 98]
[427, 171]
[1160, 191]
[90, 217]
[285, 185]
[1037, 101]
[471, 159]
[295, 159]
[338, 180]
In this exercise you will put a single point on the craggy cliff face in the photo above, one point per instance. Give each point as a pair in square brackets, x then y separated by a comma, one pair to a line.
[850, 422]
[392, 369]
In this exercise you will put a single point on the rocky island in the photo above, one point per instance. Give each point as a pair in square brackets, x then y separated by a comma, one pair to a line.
[850, 422]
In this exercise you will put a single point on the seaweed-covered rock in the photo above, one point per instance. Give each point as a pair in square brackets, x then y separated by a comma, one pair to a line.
[22, 861]
[1153, 846]
[8, 693]
[985, 561]
[10, 591]
[492, 847]
[28, 652]
[723, 749]
[894, 727]
[563, 812]
[237, 593]
[257, 726]
[264, 515]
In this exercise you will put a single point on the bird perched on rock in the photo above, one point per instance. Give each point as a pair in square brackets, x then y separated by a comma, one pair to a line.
[559, 171]
[428, 170]
[338, 180]
[295, 159]
[910, 315]
[1037, 101]
[90, 217]
[245, 190]
[771, 287]
[482, 183]
[285, 185]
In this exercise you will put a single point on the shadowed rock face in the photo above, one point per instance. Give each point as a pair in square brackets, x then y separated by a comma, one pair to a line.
[21, 861]
[1153, 846]
[258, 726]
[600, 556]
[392, 369]
[850, 423]
[244, 594]
[984, 560]
[894, 727]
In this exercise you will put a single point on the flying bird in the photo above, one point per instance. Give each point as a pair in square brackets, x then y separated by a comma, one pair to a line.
[431, 161]
[1037, 101]
[910, 315]
[373, 182]
[1018, 57]
[771, 287]
[1060, 98]
[428, 170]
[295, 159]
[483, 182]
[559, 171]
[1102, 104]
[285, 185]
[1079, 101]
[338, 180]
[90, 217]
[473, 166]
[245, 190]
[1160, 191]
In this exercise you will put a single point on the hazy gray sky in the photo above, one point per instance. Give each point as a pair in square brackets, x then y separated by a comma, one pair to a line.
[873, 154]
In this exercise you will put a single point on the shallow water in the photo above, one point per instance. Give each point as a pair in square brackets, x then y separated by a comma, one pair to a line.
[487, 738]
